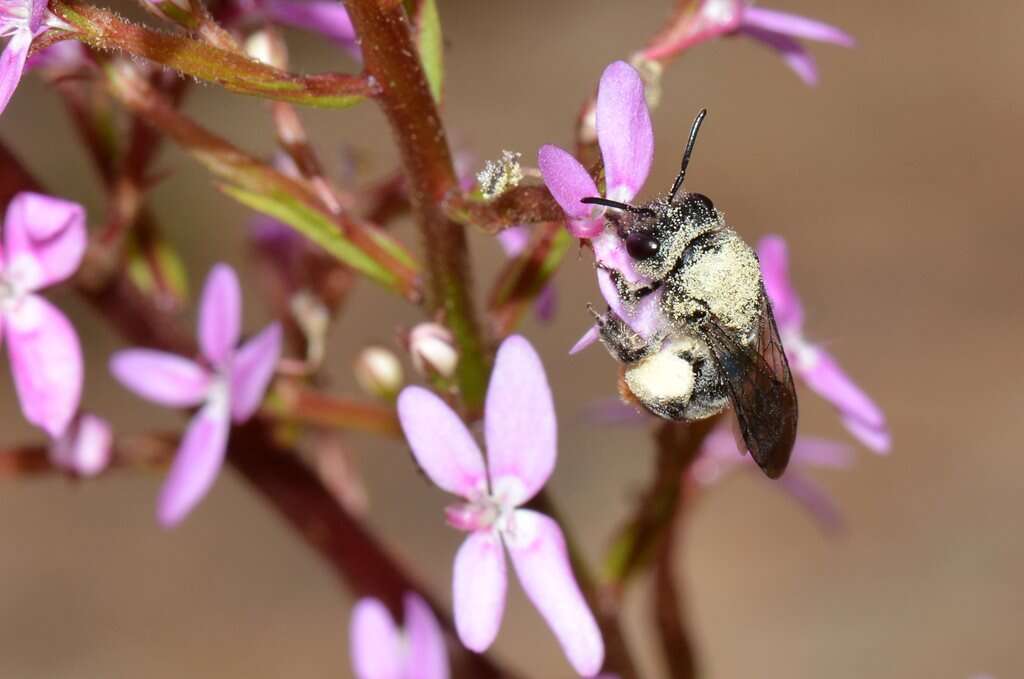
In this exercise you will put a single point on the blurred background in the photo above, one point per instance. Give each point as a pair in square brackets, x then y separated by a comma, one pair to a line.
[896, 183]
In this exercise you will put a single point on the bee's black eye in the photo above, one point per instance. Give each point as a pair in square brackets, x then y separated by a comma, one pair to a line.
[698, 202]
[641, 245]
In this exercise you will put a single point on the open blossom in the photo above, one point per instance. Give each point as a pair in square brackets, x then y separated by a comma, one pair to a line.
[626, 138]
[228, 384]
[719, 457]
[21, 21]
[811, 363]
[44, 240]
[521, 435]
[380, 650]
[778, 30]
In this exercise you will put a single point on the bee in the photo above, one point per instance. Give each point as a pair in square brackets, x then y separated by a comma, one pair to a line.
[716, 343]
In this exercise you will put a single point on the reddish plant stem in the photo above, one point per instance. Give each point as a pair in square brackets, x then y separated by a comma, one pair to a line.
[129, 452]
[521, 205]
[390, 58]
[667, 604]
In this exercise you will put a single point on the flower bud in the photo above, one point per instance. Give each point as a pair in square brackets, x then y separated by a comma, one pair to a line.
[313, 319]
[85, 448]
[267, 47]
[379, 372]
[433, 350]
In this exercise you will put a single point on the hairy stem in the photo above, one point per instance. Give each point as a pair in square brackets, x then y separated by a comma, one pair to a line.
[390, 58]
[106, 31]
[667, 604]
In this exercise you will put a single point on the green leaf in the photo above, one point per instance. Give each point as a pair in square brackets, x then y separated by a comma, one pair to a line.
[430, 44]
[316, 226]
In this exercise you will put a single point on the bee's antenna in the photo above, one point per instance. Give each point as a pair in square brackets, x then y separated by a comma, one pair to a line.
[594, 200]
[678, 184]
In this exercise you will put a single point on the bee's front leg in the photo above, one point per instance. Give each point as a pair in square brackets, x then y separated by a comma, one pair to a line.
[629, 293]
[623, 343]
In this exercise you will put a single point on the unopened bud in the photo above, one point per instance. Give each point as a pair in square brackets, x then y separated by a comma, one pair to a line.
[498, 176]
[433, 350]
[311, 316]
[267, 47]
[85, 448]
[379, 372]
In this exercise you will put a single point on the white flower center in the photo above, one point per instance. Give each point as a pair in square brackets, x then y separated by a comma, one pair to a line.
[14, 16]
[489, 510]
[17, 281]
[218, 397]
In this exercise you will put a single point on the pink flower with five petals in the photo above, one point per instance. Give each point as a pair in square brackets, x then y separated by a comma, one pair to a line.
[228, 385]
[811, 363]
[626, 138]
[521, 434]
[778, 30]
[380, 650]
[44, 240]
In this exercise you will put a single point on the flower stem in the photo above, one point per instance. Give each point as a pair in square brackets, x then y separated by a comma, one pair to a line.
[677, 649]
[390, 58]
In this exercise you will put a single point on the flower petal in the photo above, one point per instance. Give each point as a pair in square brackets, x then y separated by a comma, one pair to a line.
[878, 439]
[427, 657]
[588, 338]
[479, 583]
[251, 371]
[546, 303]
[824, 376]
[519, 422]
[440, 442]
[819, 452]
[540, 560]
[645, 316]
[814, 499]
[85, 446]
[772, 253]
[44, 239]
[220, 314]
[12, 65]
[514, 239]
[374, 642]
[328, 19]
[160, 377]
[624, 131]
[793, 53]
[569, 183]
[795, 26]
[46, 359]
[196, 464]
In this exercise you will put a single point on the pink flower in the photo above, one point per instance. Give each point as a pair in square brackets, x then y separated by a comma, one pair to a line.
[721, 456]
[21, 20]
[778, 30]
[229, 384]
[85, 447]
[380, 650]
[521, 433]
[626, 138]
[44, 240]
[811, 363]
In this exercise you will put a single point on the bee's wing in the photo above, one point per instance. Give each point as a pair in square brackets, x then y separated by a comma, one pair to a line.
[760, 387]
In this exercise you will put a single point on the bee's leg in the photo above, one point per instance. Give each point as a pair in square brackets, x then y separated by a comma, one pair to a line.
[622, 342]
[629, 293]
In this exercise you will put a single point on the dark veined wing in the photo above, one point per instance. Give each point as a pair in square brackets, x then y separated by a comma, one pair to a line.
[760, 387]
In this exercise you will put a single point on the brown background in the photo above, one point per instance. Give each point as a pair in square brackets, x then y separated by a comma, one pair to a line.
[897, 184]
